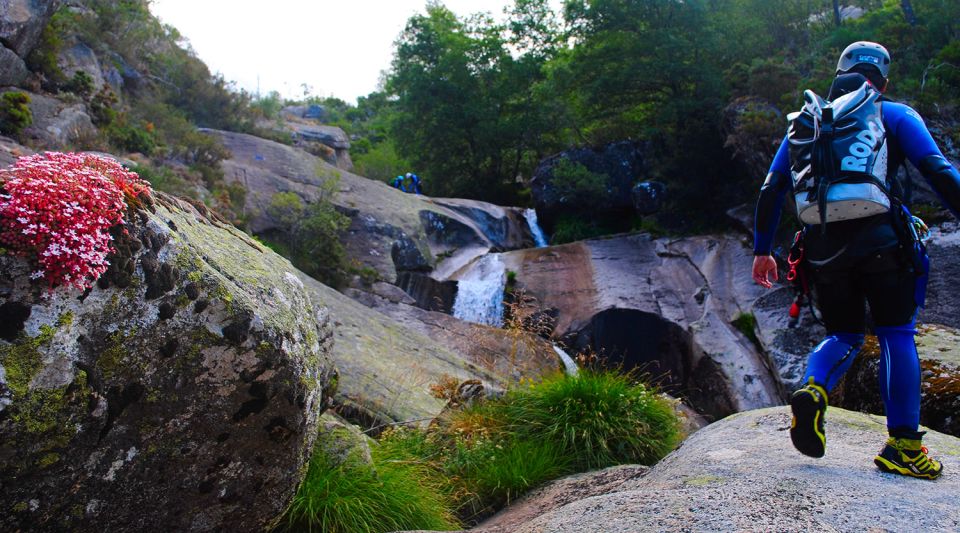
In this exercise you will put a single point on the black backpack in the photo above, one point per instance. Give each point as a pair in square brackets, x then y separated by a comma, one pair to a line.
[839, 154]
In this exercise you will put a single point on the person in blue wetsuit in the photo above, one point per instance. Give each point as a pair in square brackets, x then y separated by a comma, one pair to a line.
[397, 183]
[862, 261]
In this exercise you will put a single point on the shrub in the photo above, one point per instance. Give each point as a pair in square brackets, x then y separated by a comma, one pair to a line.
[572, 227]
[397, 492]
[81, 84]
[15, 112]
[132, 139]
[493, 451]
[577, 185]
[57, 209]
[311, 233]
[598, 418]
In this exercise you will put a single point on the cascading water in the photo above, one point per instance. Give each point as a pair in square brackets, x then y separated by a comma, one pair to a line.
[480, 292]
[538, 236]
[568, 362]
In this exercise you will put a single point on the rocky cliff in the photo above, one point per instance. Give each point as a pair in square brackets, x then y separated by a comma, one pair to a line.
[182, 392]
[663, 306]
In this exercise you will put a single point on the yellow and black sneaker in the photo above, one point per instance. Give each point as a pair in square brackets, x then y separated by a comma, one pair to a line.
[809, 404]
[909, 458]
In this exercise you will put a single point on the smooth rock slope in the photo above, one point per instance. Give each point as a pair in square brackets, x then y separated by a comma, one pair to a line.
[741, 474]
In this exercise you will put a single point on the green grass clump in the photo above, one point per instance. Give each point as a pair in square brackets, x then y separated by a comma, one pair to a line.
[398, 491]
[474, 460]
[598, 419]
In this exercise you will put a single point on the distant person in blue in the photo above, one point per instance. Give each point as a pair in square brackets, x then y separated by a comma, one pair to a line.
[397, 183]
[415, 184]
[859, 245]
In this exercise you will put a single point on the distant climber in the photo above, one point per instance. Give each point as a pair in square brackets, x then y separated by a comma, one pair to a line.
[859, 245]
[397, 183]
[415, 184]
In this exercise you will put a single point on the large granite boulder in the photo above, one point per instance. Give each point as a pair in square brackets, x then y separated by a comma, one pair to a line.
[622, 163]
[666, 307]
[183, 392]
[81, 58]
[390, 231]
[741, 474]
[22, 22]
[57, 124]
[389, 353]
[12, 68]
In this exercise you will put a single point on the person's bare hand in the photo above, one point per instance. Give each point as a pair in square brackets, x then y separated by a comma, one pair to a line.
[765, 270]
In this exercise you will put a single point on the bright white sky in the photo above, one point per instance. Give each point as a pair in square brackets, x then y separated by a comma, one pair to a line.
[337, 47]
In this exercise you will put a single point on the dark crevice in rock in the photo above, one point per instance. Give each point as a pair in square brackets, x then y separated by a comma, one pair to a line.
[13, 315]
[200, 305]
[169, 348]
[192, 290]
[160, 278]
[118, 399]
[250, 407]
[166, 310]
[278, 430]
[666, 353]
[429, 293]
[238, 330]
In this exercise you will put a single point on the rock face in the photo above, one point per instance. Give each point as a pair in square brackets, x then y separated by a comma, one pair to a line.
[22, 21]
[183, 392]
[713, 483]
[12, 69]
[623, 163]
[57, 124]
[939, 350]
[663, 306]
[390, 231]
[81, 58]
[389, 353]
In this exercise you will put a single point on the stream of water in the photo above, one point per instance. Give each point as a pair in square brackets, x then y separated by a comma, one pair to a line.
[568, 362]
[535, 229]
[480, 292]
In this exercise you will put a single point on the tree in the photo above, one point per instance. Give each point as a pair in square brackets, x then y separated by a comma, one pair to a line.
[464, 116]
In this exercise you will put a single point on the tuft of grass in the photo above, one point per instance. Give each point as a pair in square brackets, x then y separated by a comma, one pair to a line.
[399, 491]
[597, 418]
[746, 323]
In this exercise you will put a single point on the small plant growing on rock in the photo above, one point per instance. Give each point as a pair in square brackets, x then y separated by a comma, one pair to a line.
[15, 112]
[57, 209]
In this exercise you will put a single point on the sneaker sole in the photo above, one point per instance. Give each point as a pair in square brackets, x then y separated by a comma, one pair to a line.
[886, 466]
[804, 432]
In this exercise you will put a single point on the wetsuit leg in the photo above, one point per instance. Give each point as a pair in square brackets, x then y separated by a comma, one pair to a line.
[832, 358]
[843, 308]
[892, 305]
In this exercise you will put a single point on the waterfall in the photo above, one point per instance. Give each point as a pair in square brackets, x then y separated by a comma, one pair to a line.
[568, 361]
[538, 236]
[480, 292]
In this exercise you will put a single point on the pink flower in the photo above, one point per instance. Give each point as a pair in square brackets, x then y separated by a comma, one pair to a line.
[58, 208]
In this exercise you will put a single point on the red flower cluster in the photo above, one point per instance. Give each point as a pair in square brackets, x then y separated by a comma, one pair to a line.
[59, 207]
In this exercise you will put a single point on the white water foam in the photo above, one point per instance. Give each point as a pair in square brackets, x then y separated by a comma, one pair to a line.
[480, 292]
[535, 229]
[568, 361]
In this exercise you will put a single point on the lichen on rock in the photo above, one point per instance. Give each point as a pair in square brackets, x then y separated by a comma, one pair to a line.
[128, 407]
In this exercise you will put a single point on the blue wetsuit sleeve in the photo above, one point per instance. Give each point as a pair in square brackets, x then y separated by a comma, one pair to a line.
[770, 202]
[906, 127]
